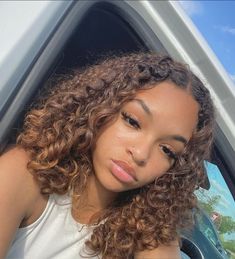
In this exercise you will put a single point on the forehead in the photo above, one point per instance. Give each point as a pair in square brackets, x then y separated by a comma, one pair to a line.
[171, 107]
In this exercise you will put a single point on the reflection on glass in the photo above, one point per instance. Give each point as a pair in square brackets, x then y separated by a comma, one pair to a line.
[217, 221]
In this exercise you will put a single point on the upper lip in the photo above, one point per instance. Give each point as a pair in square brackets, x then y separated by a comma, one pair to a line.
[126, 167]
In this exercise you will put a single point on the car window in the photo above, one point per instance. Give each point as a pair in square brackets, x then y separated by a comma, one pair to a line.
[206, 227]
[216, 217]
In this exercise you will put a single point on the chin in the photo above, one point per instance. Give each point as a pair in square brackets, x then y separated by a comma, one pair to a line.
[111, 184]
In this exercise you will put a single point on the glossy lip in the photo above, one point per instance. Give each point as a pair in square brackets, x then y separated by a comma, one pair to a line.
[128, 170]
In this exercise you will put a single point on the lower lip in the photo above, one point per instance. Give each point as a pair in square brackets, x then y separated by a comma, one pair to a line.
[121, 174]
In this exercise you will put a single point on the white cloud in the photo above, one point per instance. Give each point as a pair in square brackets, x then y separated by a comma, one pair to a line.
[191, 7]
[228, 29]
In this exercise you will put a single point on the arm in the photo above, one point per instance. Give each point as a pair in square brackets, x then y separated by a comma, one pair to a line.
[18, 195]
[162, 252]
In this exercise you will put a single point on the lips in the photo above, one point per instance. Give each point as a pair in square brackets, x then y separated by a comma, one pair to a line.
[123, 172]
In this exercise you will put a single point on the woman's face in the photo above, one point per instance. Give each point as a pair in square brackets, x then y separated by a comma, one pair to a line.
[145, 139]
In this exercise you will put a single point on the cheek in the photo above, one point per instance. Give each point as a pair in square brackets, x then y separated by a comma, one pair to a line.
[156, 168]
[120, 135]
[109, 142]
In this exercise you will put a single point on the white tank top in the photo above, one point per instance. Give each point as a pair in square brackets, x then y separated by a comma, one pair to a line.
[54, 235]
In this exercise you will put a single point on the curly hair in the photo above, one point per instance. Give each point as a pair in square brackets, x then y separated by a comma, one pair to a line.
[60, 131]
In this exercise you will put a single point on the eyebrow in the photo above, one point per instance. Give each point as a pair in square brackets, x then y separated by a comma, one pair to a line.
[179, 138]
[144, 106]
[147, 110]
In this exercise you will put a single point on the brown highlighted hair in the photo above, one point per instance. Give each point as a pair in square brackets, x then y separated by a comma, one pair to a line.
[60, 131]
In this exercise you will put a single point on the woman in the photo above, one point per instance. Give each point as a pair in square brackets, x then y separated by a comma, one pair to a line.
[106, 166]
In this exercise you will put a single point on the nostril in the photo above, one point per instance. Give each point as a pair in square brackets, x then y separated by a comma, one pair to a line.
[141, 162]
[137, 157]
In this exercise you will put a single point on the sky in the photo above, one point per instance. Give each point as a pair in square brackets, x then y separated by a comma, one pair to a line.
[216, 22]
[226, 205]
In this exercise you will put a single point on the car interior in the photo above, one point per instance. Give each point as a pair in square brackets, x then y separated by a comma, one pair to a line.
[106, 30]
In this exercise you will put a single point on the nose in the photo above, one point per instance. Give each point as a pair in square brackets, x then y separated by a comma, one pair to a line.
[140, 152]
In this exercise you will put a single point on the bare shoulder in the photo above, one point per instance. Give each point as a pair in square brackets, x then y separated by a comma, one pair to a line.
[162, 252]
[14, 155]
[17, 183]
[20, 197]
[14, 172]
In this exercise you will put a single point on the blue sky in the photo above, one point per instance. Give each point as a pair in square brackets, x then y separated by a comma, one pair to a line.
[216, 22]
[226, 205]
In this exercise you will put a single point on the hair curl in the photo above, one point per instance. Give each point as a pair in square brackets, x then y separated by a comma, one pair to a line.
[61, 130]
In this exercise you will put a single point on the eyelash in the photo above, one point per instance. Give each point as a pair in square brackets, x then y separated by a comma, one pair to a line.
[171, 154]
[135, 124]
[131, 121]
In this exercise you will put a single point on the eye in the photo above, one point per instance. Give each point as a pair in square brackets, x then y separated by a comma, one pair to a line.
[171, 154]
[131, 121]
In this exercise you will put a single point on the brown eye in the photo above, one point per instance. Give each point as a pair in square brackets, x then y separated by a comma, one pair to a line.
[171, 154]
[131, 121]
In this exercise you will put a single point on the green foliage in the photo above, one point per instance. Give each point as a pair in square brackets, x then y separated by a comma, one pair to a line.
[210, 204]
[227, 225]
[229, 245]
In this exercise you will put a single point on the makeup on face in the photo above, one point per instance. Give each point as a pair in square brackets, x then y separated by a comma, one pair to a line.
[146, 138]
[123, 171]
[137, 116]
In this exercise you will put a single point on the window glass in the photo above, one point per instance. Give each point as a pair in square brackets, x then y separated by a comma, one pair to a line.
[216, 217]
[215, 21]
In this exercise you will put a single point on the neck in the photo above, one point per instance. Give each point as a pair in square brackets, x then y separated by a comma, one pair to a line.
[94, 199]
